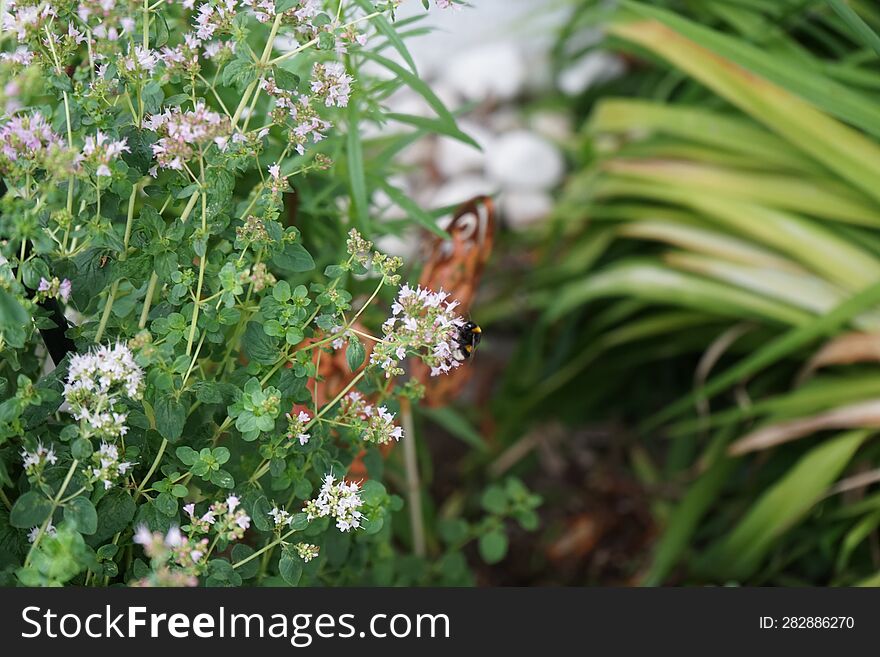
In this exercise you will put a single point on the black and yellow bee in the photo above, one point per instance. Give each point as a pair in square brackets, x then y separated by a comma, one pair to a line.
[468, 338]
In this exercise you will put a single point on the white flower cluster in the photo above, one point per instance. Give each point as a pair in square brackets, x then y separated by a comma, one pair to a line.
[307, 125]
[331, 84]
[376, 422]
[296, 427]
[224, 518]
[51, 530]
[182, 551]
[422, 322]
[96, 383]
[339, 500]
[106, 465]
[100, 151]
[36, 461]
[281, 517]
[307, 551]
[183, 133]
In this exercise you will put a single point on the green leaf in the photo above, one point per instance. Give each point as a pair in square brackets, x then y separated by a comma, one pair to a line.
[373, 492]
[456, 424]
[166, 504]
[170, 417]
[741, 551]
[260, 514]
[447, 120]
[493, 546]
[356, 179]
[221, 573]
[187, 455]
[13, 320]
[290, 566]
[222, 479]
[299, 522]
[258, 346]
[241, 552]
[30, 510]
[115, 512]
[494, 500]
[281, 291]
[208, 392]
[81, 449]
[354, 353]
[413, 209]
[294, 259]
[384, 27]
[82, 513]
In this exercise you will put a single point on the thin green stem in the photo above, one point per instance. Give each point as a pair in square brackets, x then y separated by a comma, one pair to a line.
[268, 546]
[55, 502]
[153, 467]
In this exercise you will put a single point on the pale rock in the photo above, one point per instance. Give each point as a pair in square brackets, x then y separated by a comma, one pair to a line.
[455, 157]
[524, 160]
[524, 208]
[494, 71]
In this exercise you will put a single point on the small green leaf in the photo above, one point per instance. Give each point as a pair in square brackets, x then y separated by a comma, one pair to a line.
[222, 479]
[29, 510]
[493, 546]
[354, 354]
[82, 513]
[494, 500]
[290, 566]
[170, 417]
[187, 455]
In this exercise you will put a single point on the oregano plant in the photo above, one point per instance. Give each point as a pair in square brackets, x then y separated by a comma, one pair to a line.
[186, 236]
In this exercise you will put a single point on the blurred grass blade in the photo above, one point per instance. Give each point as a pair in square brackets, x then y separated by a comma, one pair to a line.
[653, 282]
[445, 117]
[413, 210]
[357, 180]
[714, 129]
[810, 196]
[686, 516]
[859, 27]
[862, 415]
[718, 51]
[389, 32]
[774, 351]
[828, 141]
[456, 424]
[783, 505]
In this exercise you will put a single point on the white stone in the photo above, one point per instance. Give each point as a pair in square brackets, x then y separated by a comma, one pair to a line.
[455, 157]
[524, 160]
[521, 209]
[406, 246]
[490, 72]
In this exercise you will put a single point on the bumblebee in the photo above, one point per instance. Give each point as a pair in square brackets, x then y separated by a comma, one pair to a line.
[468, 338]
